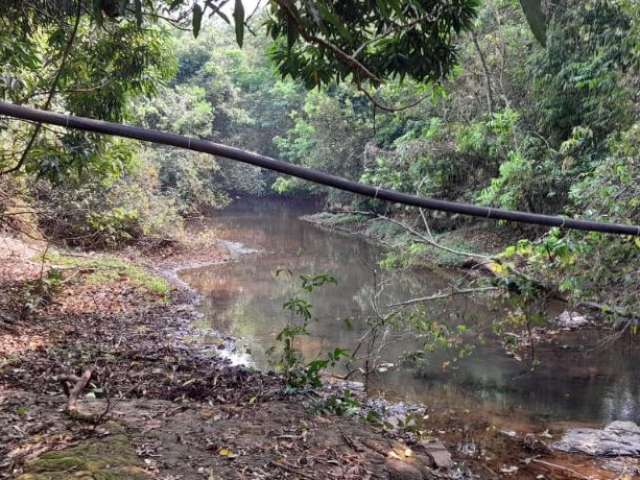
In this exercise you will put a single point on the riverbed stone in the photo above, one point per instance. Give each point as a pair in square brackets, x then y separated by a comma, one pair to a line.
[533, 444]
[399, 470]
[436, 450]
[619, 438]
[571, 320]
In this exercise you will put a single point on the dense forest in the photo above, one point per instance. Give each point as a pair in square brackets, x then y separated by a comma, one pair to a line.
[519, 105]
[516, 125]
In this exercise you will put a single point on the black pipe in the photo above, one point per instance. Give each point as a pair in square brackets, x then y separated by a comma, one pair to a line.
[305, 173]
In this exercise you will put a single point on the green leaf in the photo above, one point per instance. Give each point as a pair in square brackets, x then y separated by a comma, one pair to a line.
[238, 17]
[333, 19]
[536, 19]
[197, 19]
[292, 32]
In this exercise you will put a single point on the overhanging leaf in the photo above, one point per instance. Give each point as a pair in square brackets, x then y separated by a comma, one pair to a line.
[196, 20]
[292, 32]
[536, 19]
[238, 17]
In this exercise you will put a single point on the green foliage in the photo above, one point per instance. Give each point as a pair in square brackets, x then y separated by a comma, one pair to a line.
[108, 215]
[283, 185]
[329, 134]
[189, 177]
[423, 50]
[296, 372]
[610, 191]
[102, 72]
[242, 102]
[506, 190]
[117, 226]
[578, 75]
[342, 404]
[434, 336]
[40, 292]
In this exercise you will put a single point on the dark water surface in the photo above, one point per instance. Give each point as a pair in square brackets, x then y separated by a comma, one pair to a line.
[575, 381]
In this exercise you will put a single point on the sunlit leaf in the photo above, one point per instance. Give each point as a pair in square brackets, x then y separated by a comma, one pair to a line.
[226, 452]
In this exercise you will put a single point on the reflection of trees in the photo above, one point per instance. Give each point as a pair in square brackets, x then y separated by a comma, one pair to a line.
[245, 299]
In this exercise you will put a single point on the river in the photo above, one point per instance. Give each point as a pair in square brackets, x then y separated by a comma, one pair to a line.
[576, 380]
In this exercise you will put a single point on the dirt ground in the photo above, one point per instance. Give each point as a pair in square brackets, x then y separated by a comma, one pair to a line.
[159, 404]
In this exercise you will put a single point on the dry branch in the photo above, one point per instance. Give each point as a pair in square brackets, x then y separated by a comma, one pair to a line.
[72, 393]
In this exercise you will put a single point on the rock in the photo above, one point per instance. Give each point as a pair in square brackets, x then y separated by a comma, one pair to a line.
[571, 320]
[534, 444]
[616, 439]
[509, 469]
[623, 466]
[436, 450]
[424, 464]
[399, 470]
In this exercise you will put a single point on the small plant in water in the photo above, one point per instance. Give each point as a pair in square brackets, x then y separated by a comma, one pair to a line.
[342, 404]
[296, 372]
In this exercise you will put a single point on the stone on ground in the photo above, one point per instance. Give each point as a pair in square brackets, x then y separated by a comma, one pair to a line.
[616, 439]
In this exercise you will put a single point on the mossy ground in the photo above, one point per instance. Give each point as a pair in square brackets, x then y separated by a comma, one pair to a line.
[110, 458]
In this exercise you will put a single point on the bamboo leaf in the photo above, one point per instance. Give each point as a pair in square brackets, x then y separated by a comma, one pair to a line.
[536, 19]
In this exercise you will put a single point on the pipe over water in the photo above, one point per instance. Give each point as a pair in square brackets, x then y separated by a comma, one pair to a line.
[310, 174]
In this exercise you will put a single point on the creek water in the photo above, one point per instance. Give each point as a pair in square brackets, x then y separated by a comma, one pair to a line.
[576, 381]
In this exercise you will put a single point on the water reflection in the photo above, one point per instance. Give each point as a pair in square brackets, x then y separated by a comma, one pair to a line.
[245, 299]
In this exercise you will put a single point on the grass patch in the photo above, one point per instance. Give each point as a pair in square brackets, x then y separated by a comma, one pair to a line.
[106, 269]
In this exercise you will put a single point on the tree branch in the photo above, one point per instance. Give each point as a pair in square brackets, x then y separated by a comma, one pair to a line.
[440, 295]
[387, 108]
[424, 238]
[345, 57]
[487, 75]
